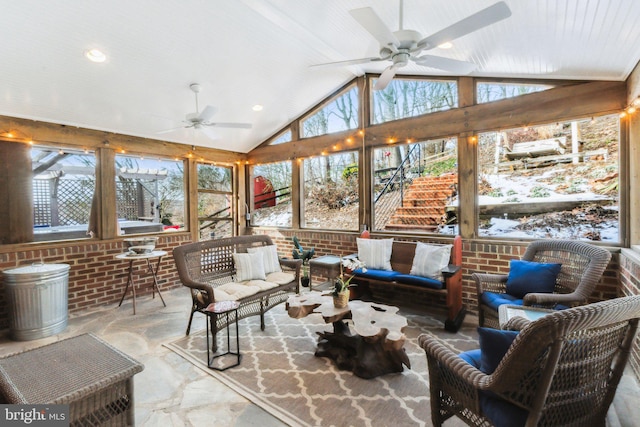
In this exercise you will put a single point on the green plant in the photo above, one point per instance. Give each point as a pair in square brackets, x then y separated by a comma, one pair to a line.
[496, 192]
[441, 167]
[539, 191]
[343, 284]
[351, 171]
[305, 255]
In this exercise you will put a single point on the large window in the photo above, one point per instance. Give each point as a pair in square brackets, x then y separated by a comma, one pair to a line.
[63, 187]
[271, 204]
[331, 196]
[215, 202]
[409, 98]
[149, 195]
[415, 187]
[281, 138]
[554, 181]
[337, 115]
[494, 91]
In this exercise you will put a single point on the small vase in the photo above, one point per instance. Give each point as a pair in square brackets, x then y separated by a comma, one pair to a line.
[342, 300]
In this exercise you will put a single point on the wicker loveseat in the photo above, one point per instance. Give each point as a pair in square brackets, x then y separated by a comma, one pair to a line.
[560, 370]
[208, 268]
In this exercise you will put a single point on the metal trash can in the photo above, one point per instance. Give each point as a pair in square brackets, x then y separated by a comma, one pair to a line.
[37, 299]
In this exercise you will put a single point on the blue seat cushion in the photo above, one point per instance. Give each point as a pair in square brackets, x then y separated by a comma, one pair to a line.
[426, 282]
[528, 276]
[494, 300]
[500, 412]
[472, 357]
[494, 343]
[371, 273]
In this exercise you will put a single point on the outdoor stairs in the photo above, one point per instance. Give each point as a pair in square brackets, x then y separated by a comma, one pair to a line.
[424, 203]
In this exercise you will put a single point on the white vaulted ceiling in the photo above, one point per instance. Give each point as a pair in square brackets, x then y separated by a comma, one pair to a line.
[247, 52]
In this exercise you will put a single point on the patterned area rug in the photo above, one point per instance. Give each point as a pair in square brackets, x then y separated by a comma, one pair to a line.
[280, 373]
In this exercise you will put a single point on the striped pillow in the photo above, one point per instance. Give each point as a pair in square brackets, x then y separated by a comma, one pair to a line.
[269, 256]
[375, 253]
[249, 267]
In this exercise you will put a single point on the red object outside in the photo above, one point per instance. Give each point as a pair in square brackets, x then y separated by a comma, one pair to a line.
[264, 196]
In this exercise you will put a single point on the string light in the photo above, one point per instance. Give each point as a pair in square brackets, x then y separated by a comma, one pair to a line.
[631, 108]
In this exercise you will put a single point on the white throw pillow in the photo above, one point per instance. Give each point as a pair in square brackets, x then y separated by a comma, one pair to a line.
[429, 260]
[375, 253]
[249, 266]
[269, 257]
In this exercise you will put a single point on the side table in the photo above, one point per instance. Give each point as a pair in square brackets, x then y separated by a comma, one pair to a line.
[216, 309]
[154, 271]
[326, 265]
[84, 372]
[507, 311]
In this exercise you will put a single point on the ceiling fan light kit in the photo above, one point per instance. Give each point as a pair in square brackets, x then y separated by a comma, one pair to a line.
[403, 46]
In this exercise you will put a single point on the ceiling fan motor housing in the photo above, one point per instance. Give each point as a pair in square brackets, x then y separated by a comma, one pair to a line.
[401, 58]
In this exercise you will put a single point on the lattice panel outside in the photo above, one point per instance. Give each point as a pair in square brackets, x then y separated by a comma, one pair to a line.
[41, 203]
[74, 201]
[128, 206]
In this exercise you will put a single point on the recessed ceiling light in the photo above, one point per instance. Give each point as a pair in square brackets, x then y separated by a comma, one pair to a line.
[445, 45]
[95, 55]
[257, 107]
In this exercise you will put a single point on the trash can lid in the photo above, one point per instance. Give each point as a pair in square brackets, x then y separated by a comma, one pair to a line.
[38, 268]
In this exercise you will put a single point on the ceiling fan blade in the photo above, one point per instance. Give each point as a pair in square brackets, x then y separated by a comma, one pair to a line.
[485, 17]
[349, 62]
[169, 130]
[207, 113]
[441, 63]
[374, 25]
[385, 78]
[230, 125]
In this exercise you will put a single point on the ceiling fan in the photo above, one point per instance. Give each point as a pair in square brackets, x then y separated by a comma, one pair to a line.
[403, 46]
[201, 120]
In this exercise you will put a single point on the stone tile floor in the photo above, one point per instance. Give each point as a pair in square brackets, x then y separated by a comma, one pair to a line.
[173, 392]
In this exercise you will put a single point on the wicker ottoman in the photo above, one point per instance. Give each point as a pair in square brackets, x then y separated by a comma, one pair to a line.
[92, 377]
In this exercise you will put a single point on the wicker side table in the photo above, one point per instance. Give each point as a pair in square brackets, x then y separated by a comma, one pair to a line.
[92, 377]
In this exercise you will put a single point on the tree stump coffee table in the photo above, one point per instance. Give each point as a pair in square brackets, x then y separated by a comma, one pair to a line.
[376, 347]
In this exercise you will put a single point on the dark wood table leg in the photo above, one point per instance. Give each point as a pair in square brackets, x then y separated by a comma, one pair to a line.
[366, 358]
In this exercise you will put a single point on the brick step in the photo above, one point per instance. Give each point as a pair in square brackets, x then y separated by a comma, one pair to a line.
[428, 195]
[436, 180]
[415, 203]
[402, 227]
[431, 186]
[419, 210]
[417, 219]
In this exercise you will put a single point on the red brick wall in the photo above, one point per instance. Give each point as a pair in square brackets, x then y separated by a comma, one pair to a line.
[96, 278]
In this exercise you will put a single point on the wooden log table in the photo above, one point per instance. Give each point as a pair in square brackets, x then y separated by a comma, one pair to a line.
[375, 348]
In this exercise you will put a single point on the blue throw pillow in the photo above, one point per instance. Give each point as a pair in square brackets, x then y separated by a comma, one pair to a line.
[494, 344]
[527, 276]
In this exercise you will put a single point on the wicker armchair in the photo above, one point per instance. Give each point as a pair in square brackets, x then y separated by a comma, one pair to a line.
[561, 370]
[582, 268]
